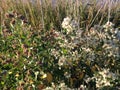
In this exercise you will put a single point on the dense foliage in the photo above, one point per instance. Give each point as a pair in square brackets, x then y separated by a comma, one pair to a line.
[62, 47]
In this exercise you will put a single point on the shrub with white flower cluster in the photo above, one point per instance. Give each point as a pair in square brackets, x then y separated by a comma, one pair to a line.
[80, 54]
[69, 25]
[104, 78]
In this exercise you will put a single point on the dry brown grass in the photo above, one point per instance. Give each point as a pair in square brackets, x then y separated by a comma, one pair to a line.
[49, 13]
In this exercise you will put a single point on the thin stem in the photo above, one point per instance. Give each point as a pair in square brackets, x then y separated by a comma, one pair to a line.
[42, 13]
[109, 9]
[78, 14]
[95, 16]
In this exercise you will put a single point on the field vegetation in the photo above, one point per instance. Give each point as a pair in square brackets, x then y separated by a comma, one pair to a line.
[59, 45]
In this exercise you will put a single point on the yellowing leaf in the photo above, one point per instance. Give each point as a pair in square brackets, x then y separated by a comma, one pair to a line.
[97, 67]
[44, 76]
[93, 68]
[81, 75]
[41, 87]
[88, 62]
[49, 77]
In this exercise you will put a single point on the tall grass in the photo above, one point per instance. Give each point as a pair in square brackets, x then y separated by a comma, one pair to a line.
[46, 13]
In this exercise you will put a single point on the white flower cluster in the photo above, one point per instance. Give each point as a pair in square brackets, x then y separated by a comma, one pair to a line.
[69, 24]
[108, 25]
[55, 53]
[104, 77]
[60, 86]
[62, 61]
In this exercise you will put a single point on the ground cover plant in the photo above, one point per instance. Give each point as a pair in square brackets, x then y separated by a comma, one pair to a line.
[59, 45]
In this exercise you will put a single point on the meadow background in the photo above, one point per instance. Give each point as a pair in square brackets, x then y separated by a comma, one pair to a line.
[59, 44]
